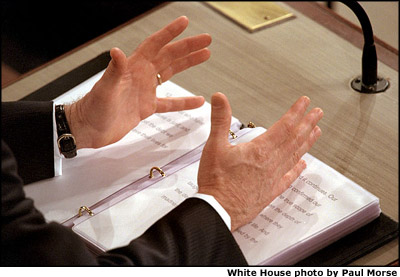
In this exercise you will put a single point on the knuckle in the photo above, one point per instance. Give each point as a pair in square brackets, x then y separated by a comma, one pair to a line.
[285, 182]
[220, 120]
[288, 126]
[312, 139]
[259, 154]
[298, 140]
[295, 157]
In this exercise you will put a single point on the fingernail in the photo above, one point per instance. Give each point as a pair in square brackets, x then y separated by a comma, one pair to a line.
[215, 100]
[306, 100]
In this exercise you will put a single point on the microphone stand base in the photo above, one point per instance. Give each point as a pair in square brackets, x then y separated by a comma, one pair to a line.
[380, 86]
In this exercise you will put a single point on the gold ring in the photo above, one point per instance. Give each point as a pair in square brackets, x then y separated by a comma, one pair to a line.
[159, 79]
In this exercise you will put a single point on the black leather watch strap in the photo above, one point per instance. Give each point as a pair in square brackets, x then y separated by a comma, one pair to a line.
[66, 141]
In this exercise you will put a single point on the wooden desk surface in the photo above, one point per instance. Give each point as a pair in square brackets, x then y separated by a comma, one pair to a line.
[262, 74]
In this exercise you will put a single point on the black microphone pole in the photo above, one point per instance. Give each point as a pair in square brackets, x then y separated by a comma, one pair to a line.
[368, 82]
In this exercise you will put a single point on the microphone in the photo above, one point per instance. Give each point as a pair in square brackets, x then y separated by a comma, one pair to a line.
[368, 82]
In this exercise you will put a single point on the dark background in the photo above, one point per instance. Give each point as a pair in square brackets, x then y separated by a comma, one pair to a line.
[34, 32]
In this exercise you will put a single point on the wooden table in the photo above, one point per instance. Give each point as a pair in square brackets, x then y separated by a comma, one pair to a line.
[263, 73]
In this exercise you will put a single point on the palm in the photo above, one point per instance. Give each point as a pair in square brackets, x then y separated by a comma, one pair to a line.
[134, 94]
[126, 94]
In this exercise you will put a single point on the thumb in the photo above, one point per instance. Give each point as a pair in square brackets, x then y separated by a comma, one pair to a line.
[117, 64]
[221, 115]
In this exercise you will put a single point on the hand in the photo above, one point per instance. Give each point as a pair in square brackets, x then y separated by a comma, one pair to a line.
[126, 94]
[245, 178]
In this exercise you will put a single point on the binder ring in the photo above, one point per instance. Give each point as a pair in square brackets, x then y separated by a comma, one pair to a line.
[232, 134]
[251, 125]
[84, 208]
[158, 169]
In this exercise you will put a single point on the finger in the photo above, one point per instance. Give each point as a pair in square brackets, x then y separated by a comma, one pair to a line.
[182, 64]
[221, 115]
[312, 138]
[284, 127]
[301, 134]
[154, 43]
[294, 158]
[115, 68]
[172, 104]
[290, 176]
[179, 49]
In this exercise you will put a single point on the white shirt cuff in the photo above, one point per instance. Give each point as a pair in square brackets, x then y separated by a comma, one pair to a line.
[217, 207]
[57, 155]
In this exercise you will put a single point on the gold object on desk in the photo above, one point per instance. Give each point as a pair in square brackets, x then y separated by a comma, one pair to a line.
[252, 16]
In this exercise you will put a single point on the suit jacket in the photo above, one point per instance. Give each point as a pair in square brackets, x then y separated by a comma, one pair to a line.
[191, 234]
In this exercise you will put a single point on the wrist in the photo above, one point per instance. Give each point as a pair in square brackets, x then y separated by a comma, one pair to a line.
[217, 207]
[235, 216]
[234, 211]
[65, 140]
[77, 125]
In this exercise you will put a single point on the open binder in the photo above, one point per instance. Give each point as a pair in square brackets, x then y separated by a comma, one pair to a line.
[345, 234]
[156, 187]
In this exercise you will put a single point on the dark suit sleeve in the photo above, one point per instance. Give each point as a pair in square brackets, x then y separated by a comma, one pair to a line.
[27, 128]
[191, 234]
[26, 239]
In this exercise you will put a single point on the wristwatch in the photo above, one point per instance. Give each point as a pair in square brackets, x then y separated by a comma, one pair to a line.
[66, 141]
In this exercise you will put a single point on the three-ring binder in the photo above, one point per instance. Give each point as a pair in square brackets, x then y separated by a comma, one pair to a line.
[144, 182]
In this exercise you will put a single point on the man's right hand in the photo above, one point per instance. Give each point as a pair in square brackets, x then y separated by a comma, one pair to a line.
[245, 178]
